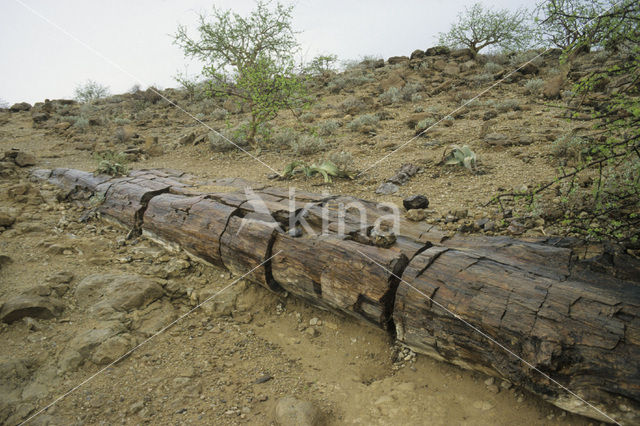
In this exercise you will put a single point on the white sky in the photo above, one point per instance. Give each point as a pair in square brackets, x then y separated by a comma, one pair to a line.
[39, 61]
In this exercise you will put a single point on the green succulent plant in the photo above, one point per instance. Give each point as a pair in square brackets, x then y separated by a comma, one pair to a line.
[461, 156]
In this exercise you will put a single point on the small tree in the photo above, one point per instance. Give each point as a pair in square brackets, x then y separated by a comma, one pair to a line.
[321, 64]
[572, 24]
[478, 28]
[249, 59]
[90, 91]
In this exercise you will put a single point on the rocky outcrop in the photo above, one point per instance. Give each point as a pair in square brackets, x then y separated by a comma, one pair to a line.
[568, 309]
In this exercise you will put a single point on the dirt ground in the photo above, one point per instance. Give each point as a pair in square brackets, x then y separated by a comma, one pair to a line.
[231, 360]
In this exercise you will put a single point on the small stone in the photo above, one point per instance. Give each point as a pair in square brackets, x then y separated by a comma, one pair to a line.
[493, 389]
[387, 188]
[416, 202]
[311, 332]
[294, 412]
[516, 228]
[489, 381]
[23, 159]
[460, 214]
[416, 215]
[505, 384]
[313, 321]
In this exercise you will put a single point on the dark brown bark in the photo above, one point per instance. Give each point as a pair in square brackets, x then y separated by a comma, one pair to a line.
[570, 309]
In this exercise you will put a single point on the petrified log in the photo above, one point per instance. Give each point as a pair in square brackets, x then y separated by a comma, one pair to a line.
[584, 333]
[569, 309]
[194, 223]
[334, 273]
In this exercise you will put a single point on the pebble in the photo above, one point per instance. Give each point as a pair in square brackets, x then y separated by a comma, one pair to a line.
[313, 321]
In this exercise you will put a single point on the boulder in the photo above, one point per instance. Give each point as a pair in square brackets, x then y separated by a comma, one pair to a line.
[463, 54]
[32, 306]
[417, 54]
[20, 106]
[397, 60]
[6, 219]
[104, 293]
[415, 202]
[437, 50]
[24, 159]
[528, 68]
[294, 412]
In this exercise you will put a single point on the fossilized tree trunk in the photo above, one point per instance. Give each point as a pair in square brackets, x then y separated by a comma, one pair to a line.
[570, 310]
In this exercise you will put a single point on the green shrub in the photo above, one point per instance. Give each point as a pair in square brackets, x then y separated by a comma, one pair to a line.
[390, 96]
[121, 121]
[308, 117]
[352, 105]
[219, 114]
[81, 123]
[461, 156]
[111, 163]
[425, 124]
[569, 147]
[482, 79]
[219, 141]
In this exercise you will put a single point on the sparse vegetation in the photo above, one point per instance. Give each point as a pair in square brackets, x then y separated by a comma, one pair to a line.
[461, 156]
[328, 127]
[259, 50]
[478, 28]
[508, 105]
[364, 123]
[534, 86]
[308, 144]
[343, 160]
[492, 67]
[326, 169]
[90, 91]
[321, 64]
[111, 163]
[569, 147]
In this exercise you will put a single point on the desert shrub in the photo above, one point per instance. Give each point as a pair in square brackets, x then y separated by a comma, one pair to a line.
[425, 124]
[200, 116]
[328, 127]
[284, 137]
[363, 122]
[111, 163]
[341, 82]
[81, 123]
[482, 79]
[418, 108]
[434, 109]
[508, 105]
[492, 67]
[601, 57]
[121, 121]
[307, 117]
[390, 96]
[90, 91]
[523, 57]
[416, 97]
[567, 94]
[461, 156]
[534, 86]
[371, 62]
[308, 144]
[343, 160]
[569, 147]
[409, 90]
[352, 105]
[219, 114]
[122, 134]
[221, 141]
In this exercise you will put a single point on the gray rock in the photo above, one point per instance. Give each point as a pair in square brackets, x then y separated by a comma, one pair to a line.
[24, 159]
[404, 173]
[416, 215]
[104, 293]
[387, 188]
[497, 139]
[30, 306]
[516, 228]
[6, 219]
[20, 106]
[294, 412]
[416, 202]
[437, 50]
[397, 60]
